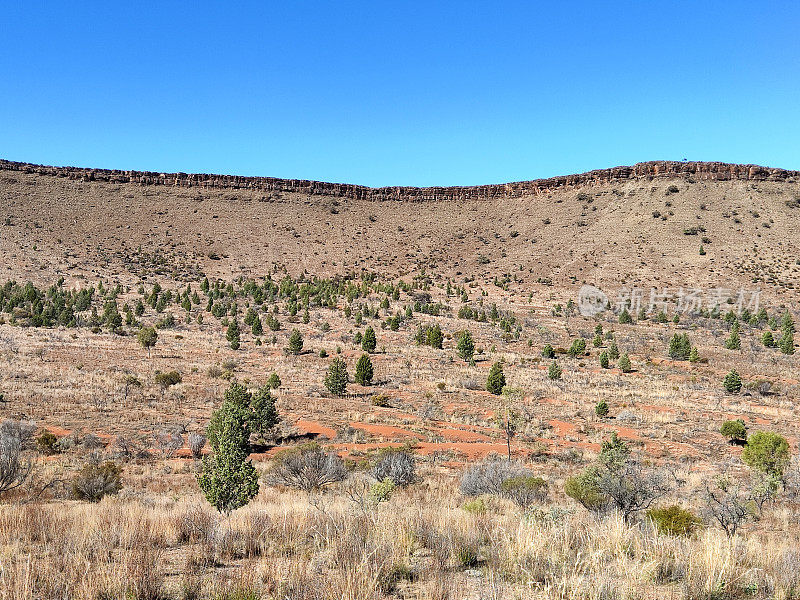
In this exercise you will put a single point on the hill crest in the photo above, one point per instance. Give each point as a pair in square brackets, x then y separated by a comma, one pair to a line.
[714, 171]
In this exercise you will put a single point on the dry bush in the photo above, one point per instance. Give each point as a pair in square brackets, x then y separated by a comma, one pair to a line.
[307, 467]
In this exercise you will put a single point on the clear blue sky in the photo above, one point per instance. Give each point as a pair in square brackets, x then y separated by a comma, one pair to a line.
[416, 93]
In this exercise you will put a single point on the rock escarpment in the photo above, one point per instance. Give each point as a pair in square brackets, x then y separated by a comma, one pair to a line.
[714, 171]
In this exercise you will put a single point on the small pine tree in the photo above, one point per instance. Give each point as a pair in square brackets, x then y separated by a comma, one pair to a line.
[679, 347]
[732, 382]
[768, 340]
[625, 363]
[465, 346]
[733, 342]
[336, 379]
[613, 350]
[295, 342]
[601, 408]
[496, 379]
[274, 381]
[554, 371]
[227, 478]
[548, 351]
[257, 328]
[694, 355]
[786, 343]
[578, 347]
[264, 414]
[369, 341]
[435, 338]
[604, 360]
[364, 371]
[597, 341]
[625, 317]
[232, 335]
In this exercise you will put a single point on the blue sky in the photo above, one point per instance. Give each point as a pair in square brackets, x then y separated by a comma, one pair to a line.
[414, 93]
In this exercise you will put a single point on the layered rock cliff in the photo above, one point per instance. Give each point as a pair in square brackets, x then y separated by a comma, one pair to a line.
[715, 171]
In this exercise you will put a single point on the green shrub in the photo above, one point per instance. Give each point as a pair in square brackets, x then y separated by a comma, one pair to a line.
[604, 360]
[554, 371]
[364, 370]
[96, 480]
[679, 347]
[496, 379]
[674, 520]
[548, 351]
[465, 346]
[369, 341]
[732, 382]
[382, 491]
[734, 430]
[625, 363]
[524, 490]
[578, 348]
[476, 506]
[295, 342]
[767, 452]
[336, 378]
[601, 408]
[47, 443]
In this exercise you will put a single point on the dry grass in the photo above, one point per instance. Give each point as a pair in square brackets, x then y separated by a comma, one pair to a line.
[420, 544]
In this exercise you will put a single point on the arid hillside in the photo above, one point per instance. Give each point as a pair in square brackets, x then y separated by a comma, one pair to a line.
[644, 226]
[223, 388]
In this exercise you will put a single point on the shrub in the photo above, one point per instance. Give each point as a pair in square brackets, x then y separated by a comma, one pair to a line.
[735, 431]
[548, 351]
[295, 342]
[396, 465]
[381, 491]
[487, 477]
[679, 347]
[767, 452]
[584, 490]
[625, 317]
[147, 337]
[168, 379]
[232, 335]
[435, 338]
[263, 415]
[625, 363]
[674, 520]
[336, 378]
[274, 382]
[307, 467]
[578, 348]
[554, 371]
[369, 342]
[768, 340]
[601, 408]
[14, 471]
[733, 342]
[475, 506]
[364, 370]
[732, 382]
[694, 355]
[47, 443]
[524, 490]
[496, 379]
[196, 443]
[604, 360]
[786, 343]
[227, 478]
[465, 347]
[96, 480]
